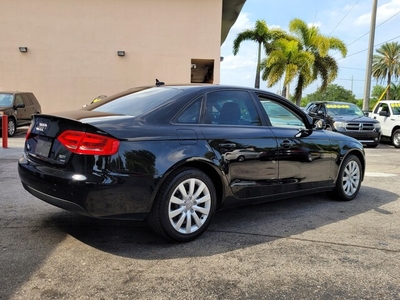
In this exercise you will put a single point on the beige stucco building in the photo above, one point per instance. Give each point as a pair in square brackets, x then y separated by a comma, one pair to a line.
[72, 46]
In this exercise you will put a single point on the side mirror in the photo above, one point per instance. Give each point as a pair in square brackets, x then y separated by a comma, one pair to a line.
[303, 133]
[320, 124]
[384, 113]
[19, 105]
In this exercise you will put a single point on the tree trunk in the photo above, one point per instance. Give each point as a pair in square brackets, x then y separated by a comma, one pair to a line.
[284, 91]
[388, 90]
[287, 91]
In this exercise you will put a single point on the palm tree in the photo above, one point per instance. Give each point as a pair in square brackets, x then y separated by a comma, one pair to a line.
[386, 64]
[264, 36]
[318, 45]
[288, 60]
[395, 91]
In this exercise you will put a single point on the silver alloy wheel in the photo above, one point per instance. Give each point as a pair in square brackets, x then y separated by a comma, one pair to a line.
[189, 206]
[351, 178]
[11, 127]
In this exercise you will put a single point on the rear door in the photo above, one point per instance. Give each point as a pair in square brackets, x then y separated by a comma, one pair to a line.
[246, 149]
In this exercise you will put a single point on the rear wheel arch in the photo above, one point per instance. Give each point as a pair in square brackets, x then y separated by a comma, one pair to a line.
[206, 168]
[184, 205]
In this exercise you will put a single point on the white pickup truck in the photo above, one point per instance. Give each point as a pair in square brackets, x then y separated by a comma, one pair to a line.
[387, 112]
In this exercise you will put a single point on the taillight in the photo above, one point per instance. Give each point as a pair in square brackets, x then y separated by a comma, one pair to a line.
[88, 143]
[28, 133]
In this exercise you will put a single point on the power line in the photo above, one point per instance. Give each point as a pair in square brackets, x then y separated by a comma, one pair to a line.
[349, 79]
[367, 48]
[343, 18]
[352, 68]
[375, 27]
[368, 33]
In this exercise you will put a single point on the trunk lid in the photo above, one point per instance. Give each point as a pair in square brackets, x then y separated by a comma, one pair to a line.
[42, 143]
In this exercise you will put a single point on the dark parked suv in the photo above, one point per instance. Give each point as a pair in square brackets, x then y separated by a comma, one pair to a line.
[346, 118]
[19, 107]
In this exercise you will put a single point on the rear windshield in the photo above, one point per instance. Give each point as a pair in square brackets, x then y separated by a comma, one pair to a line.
[139, 102]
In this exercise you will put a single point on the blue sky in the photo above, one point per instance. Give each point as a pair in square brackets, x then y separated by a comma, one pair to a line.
[348, 20]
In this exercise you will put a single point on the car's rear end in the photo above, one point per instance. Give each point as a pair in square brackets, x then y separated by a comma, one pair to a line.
[76, 166]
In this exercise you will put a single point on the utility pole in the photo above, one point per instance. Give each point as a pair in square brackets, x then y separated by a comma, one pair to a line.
[351, 83]
[367, 86]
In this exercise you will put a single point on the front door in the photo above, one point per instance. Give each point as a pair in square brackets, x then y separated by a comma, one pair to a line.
[301, 154]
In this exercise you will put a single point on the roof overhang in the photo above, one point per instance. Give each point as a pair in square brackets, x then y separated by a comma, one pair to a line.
[230, 12]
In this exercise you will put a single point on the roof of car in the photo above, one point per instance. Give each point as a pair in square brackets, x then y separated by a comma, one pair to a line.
[187, 87]
[333, 102]
[12, 92]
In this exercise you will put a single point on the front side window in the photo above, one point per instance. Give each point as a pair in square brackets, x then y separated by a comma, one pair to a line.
[281, 116]
[231, 108]
[18, 100]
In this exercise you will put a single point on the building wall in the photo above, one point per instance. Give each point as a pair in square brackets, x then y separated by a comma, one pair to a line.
[72, 46]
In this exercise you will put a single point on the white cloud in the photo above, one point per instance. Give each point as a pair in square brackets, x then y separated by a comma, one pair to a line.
[232, 62]
[384, 12]
[242, 23]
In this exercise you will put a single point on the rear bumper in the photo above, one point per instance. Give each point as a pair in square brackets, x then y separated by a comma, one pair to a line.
[61, 203]
[116, 196]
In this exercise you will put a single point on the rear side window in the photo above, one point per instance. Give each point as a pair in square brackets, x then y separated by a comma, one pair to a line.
[395, 108]
[27, 100]
[191, 115]
[139, 102]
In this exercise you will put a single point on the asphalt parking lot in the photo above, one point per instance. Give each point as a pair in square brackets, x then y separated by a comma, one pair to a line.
[301, 248]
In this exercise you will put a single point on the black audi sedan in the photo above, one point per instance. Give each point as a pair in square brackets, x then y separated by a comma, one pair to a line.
[346, 118]
[164, 154]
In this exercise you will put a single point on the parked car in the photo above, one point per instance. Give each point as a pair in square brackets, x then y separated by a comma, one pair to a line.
[387, 112]
[346, 118]
[19, 107]
[241, 155]
[158, 153]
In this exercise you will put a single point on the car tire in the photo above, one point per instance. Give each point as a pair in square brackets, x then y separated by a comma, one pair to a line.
[348, 182]
[12, 127]
[185, 206]
[396, 138]
[240, 158]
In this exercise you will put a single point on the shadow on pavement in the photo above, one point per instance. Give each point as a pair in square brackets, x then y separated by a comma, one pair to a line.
[230, 230]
